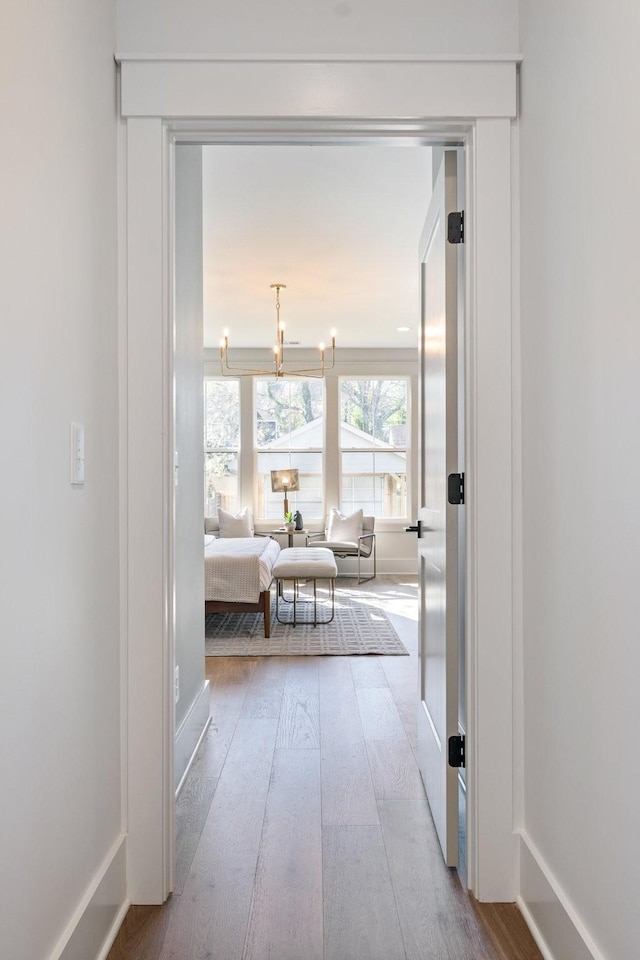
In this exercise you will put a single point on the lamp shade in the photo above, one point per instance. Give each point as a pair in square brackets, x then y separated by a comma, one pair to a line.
[285, 481]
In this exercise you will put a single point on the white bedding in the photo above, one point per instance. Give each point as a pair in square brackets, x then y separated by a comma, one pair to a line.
[238, 569]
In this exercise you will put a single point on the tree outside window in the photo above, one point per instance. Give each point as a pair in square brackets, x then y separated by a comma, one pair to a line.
[373, 442]
[289, 433]
[221, 444]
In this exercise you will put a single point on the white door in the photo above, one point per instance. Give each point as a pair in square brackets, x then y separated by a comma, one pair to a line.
[438, 519]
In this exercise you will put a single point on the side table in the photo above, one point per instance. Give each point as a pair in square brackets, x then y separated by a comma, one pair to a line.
[281, 532]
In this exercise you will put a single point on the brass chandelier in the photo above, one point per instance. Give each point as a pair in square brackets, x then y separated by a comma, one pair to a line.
[278, 369]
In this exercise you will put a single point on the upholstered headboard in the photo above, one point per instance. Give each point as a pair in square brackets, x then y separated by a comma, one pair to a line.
[211, 525]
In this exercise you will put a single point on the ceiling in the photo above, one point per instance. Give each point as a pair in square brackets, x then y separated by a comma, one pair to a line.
[339, 225]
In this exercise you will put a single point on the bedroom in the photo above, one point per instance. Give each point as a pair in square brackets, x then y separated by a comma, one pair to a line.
[247, 217]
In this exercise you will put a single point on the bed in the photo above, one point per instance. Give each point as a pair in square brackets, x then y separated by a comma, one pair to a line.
[237, 575]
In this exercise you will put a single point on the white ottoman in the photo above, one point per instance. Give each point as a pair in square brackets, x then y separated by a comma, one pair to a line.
[299, 563]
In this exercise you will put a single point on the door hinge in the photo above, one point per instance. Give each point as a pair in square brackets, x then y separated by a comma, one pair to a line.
[455, 227]
[456, 751]
[455, 488]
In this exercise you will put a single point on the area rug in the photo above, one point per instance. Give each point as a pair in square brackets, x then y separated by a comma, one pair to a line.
[359, 628]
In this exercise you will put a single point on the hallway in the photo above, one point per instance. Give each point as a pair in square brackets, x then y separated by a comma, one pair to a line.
[303, 830]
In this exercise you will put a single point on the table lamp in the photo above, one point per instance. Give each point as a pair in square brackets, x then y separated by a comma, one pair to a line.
[286, 481]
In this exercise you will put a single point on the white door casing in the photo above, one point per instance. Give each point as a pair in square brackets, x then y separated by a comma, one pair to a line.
[315, 101]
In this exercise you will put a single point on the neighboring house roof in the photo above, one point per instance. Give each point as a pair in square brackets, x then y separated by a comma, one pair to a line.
[311, 435]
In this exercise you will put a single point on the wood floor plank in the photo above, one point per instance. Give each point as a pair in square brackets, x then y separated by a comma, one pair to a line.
[143, 932]
[340, 722]
[302, 674]
[334, 673]
[360, 916]
[420, 885]
[348, 796]
[299, 716]
[394, 770]
[214, 748]
[402, 675]
[299, 726]
[347, 790]
[286, 911]
[507, 930]
[436, 915]
[408, 711]
[368, 672]
[379, 714]
[229, 673]
[211, 918]
[228, 687]
[264, 696]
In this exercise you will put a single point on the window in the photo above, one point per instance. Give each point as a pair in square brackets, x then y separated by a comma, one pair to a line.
[289, 433]
[373, 446]
[221, 444]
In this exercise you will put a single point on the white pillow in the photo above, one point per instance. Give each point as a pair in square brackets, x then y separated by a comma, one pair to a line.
[345, 529]
[208, 539]
[240, 525]
[211, 525]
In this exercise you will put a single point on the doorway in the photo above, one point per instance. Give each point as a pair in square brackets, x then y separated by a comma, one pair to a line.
[146, 347]
[345, 221]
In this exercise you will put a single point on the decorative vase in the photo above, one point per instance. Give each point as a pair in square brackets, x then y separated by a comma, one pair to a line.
[290, 526]
[298, 520]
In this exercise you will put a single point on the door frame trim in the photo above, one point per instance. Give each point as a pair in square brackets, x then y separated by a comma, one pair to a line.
[163, 102]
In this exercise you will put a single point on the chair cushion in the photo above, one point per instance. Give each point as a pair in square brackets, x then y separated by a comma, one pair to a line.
[344, 548]
[238, 525]
[344, 528]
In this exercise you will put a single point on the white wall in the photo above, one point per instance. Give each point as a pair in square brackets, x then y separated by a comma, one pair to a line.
[60, 646]
[192, 707]
[580, 130]
[304, 27]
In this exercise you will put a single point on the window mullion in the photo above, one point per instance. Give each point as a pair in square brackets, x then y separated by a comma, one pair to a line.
[332, 458]
[247, 470]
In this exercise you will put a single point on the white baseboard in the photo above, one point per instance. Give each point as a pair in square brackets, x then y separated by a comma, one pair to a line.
[190, 733]
[93, 927]
[554, 923]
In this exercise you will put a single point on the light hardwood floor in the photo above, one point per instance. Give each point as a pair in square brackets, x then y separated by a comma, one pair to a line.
[303, 829]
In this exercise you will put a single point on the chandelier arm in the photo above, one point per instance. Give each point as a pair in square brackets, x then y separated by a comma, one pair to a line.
[278, 350]
[321, 369]
[245, 372]
[228, 371]
[314, 374]
[307, 371]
